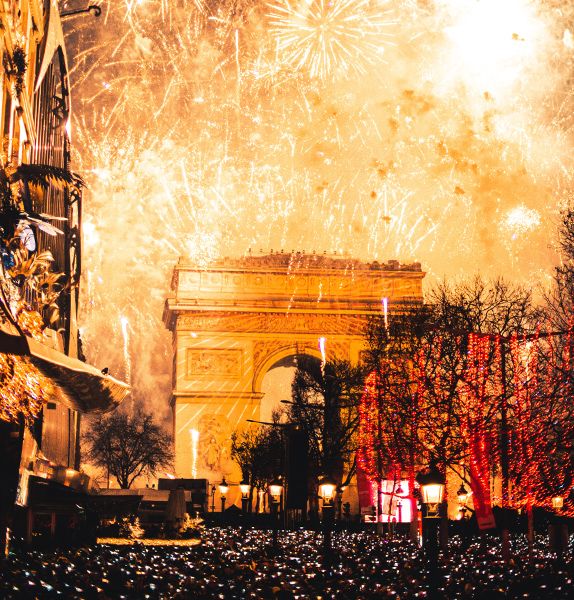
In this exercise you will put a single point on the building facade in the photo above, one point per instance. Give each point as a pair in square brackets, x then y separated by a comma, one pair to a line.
[44, 384]
[239, 318]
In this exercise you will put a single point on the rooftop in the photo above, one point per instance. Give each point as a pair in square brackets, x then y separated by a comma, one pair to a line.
[301, 261]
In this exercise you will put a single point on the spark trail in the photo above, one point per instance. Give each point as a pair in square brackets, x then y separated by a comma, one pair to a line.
[437, 130]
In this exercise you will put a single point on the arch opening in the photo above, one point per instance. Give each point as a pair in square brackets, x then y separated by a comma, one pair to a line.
[277, 382]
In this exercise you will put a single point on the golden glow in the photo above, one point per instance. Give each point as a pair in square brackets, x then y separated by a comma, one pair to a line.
[327, 491]
[275, 491]
[432, 493]
[147, 542]
[493, 42]
[209, 129]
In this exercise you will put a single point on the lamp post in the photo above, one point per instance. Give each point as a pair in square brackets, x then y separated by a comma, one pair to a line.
[223, 489]
[560, 532]
[275, 490]
[212, 498]
[327, 491]
[462, 495]
[245, 489]
[432, 483]
[340, 502]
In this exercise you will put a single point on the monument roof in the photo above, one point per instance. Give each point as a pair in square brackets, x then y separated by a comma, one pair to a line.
[297, 261]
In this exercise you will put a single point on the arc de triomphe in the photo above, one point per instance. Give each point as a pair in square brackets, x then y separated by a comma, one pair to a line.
[238, 318]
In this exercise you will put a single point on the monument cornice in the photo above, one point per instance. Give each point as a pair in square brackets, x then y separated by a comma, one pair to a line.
[272, 322]
[175, 310]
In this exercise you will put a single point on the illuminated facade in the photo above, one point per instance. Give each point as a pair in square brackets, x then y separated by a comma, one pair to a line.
[39, 343]
[235, 320]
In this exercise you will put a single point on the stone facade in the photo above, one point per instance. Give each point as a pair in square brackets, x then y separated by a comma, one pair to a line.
[235, 320]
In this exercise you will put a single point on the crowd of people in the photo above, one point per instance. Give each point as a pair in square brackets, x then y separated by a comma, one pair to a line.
[242, 563]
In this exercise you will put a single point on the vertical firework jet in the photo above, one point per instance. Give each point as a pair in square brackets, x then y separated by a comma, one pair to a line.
[436, 130]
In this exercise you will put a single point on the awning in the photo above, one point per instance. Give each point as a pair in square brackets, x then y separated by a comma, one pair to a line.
[78, 385]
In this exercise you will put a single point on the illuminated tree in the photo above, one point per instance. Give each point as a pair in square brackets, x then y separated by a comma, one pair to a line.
[440, 386]
[390, 444]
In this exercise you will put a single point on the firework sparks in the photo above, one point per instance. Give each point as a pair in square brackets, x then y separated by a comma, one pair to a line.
[520, 220]
[194, 434]
[210, 129]
[125, 334]
[323, 350]
[324, 37]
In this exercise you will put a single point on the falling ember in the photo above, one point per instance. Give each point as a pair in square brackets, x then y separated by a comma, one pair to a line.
[386, 312]
[194, 433]
[125, 333]
[323, 349]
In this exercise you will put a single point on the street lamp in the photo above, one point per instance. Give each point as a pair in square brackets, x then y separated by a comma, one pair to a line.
[432, 483]
[245, 489]
[432, 488]
[213, 498]
[340, 501]
[275, 489]
[559, 530]
[327, 491]
[223, 489]
[462, 494]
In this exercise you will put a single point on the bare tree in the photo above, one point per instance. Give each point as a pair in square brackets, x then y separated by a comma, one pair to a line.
[259, 453]
[325, 406]
[128, 446]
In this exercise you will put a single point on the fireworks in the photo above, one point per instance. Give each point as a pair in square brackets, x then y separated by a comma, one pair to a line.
[194, 435]
[325, 37]
[205, 129]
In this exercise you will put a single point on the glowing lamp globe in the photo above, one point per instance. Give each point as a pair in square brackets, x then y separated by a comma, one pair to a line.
[327, 491]
[557, 502]
[432, 493]
[223, 488]
[462, 494]
[275, 490]
[432, 484]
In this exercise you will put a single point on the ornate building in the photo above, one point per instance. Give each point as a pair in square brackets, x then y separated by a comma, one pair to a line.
[44, 386]
[235, 320]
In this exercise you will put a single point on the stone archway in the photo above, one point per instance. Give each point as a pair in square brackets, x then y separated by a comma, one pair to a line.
[234, 320]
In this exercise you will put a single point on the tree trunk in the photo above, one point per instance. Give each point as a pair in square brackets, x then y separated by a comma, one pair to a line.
[257, 502]
[379, 508]
[414, 524]
[530, 534]
[443, 527]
